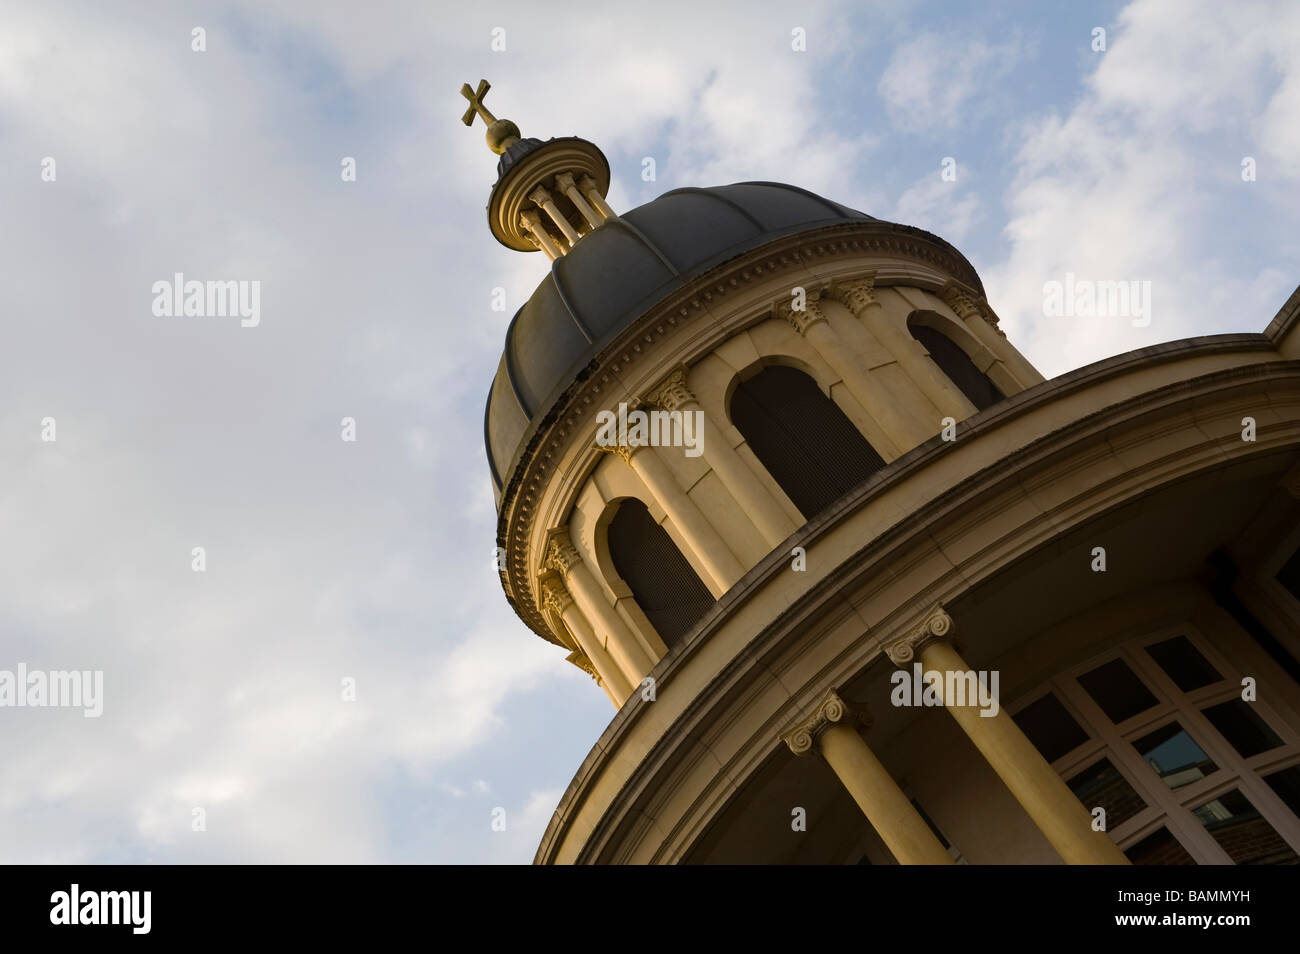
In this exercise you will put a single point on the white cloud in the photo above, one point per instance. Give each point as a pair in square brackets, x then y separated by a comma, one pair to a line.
[948, 208]
[933, 80]
[370, 560]
[1140, 178]
[366, 560]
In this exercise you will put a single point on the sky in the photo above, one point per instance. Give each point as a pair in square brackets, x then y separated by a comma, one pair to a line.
[344, 681]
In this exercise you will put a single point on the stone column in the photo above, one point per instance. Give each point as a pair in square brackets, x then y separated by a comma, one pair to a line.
[741, 482]
[564, 182]
[874, 397]
[983, 324]
[832, 731]
[721, 567]
[860, 298]
[546, 202]
[633, 656]
[532, 223]
[1042, 793]
[556, 597]
[588, 187]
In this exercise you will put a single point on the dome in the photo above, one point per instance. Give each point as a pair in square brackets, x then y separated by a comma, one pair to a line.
[618, 272]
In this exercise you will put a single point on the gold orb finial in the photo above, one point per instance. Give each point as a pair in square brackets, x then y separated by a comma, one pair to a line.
[501, 133]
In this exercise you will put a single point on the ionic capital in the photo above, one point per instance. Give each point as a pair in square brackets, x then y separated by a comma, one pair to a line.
[938, 625]
[832, 710]
[671, 393]
[855, 294]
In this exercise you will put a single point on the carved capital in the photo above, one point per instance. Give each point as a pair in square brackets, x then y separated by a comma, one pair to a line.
[555, 595]
[801, 319]
[855, 294]
[624, 451]
[561, 554]
[938, 625]
[967, 305]
[802, 738]
[671, 393]
[564, 182]
[541, 196]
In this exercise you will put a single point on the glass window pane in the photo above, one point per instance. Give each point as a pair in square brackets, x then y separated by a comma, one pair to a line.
[1183, 663]
[1286, 784]
[1174, 756]
[1159, 848]
[1101, 786]
[1117, 690]
[1241, 725]
[1052, 730]
[1243, 833]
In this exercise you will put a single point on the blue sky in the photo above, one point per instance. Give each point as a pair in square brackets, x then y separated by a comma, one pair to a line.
[370, 560]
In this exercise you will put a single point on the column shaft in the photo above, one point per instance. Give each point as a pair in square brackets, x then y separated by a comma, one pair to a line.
[874, 399]
[566, 185]
[593, 195]
[895, 820]
[544, 201]
[1039, 790]
[720, 564]
[918, 365]
[614, 681]
[973, 315]
[533, 223]
[743, 484]
[632, 656]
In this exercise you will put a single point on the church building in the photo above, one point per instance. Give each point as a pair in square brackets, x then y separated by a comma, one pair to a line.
[861, 585]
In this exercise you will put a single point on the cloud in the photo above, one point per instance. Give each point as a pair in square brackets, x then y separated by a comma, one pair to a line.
[1140, 181]
[368, 560]
[326, 560]
[931, 79]
[944, 206]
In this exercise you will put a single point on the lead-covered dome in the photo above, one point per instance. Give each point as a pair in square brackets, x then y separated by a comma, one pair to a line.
[617, 273]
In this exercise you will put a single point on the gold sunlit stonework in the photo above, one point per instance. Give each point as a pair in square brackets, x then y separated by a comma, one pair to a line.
[671, 394]
[832, 710]
[826, 539]
[937, 625]
[501, 133]
[547, 194]
[801, 319]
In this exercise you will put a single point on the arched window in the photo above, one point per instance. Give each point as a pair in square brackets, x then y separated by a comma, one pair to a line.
[663, 583]
[955, 363]
[802, 437]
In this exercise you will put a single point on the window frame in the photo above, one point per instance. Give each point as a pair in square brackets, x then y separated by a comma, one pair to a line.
[1166, 807]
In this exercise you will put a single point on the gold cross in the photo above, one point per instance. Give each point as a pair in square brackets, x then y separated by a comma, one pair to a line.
[476, 104]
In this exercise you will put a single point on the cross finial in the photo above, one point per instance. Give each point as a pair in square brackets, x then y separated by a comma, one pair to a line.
[501, 133]
[475, 98]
